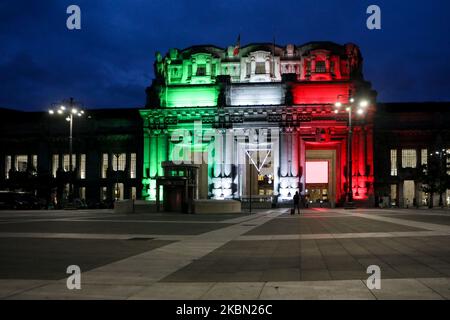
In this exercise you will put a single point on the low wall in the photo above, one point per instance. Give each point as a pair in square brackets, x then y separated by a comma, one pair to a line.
[123, 206]
[136, 206]
[216, 206]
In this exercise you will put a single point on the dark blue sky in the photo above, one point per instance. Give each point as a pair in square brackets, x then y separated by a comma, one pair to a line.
[108, 63]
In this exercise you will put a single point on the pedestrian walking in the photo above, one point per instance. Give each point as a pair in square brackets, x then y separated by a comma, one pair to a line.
[296, 202]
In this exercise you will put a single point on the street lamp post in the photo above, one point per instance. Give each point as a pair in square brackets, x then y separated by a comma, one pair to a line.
[71, 112]
[117, 192]
[362, 106]
[251, 178]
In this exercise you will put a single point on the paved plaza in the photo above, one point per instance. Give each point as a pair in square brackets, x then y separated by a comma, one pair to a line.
[320, 254]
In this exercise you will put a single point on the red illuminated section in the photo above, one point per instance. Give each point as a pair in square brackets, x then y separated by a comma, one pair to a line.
[316, 172]
[320, 93]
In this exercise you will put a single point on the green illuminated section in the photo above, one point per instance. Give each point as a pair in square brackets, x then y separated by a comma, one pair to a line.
[198, 68]
[163, 145]
[189, 96]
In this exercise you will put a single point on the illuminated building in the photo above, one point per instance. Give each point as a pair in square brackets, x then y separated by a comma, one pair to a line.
[286, 93]
[279, 112]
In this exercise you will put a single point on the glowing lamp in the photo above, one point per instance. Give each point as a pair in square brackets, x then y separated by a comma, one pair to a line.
[338, 104]
[363, 103]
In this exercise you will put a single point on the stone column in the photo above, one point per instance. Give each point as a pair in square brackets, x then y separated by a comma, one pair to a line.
[283, 154]
[302, 161]
[294, 153]
[401, 202]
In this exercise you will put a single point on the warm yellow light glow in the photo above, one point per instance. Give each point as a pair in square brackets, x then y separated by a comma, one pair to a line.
[51, 111]
[338, 104]
[363, 103]
[60, 111]
[74, 111]
[360, 111]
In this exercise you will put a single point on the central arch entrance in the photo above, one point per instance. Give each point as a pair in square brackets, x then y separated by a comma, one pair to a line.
[320, 177]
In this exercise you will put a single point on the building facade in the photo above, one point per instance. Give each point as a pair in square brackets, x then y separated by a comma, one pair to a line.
[407, 137]
[261, 120]
[272, 110]
[106, 158]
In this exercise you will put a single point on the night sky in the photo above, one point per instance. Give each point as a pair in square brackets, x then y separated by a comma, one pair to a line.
[109, 62]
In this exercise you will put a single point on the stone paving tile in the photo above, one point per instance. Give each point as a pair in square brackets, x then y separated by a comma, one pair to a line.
[214, 264]
[405, 289]
[49, 258]
[172, 291]
[439, 285]
[110, 227]
[10, 287]
[439, 219]
[59, 291]
[326, 225]
[237, 290]
[293, 260]
[309, 290]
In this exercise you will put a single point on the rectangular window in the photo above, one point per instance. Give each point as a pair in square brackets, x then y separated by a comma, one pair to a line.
[83, 193]
[133, 193]
[260, 68]
[83, 166]
[8, 163]
[119, 162]
[66, 160]
[393, 162]
[103, 193]
[133, 166]
[175, 73]
[104, 165]
[118, 191]
[201, 70]
[321, 67]
[21, 163]
[190, 71]
[55, 164]
[393, 194]
[213, 69]
[409, 158]
[424, 156]
[448, 161]
[248, 69]
[34, 159]
[308, 67]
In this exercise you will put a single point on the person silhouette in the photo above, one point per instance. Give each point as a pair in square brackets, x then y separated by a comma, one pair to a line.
[297, 202]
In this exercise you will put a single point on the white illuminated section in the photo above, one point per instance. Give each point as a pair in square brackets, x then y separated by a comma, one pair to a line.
[256, 94]
[316, 171]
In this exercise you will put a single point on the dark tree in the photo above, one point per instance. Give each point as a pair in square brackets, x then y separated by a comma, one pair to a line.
[434, 176]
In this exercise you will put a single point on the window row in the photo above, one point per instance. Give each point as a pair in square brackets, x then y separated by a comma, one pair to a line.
[408, 159]
[21, 163]
[117, 162]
